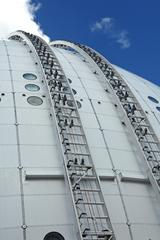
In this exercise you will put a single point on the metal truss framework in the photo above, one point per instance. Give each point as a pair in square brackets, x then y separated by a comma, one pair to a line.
[90, 210]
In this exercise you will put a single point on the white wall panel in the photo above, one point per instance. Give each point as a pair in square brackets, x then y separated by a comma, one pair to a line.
[155, 88]
[137, 189]
[34, 116]
[110, 123]
[89, 120]
[80, 92]
[85, 105]
[18, 51]
[8, 134]
[101, 158]
[99, 95]
[10, 209]
[7, 116]
[109, 187]
[126, 160]
[95, 138]
[5, 85]
[37, 135]
[10, 233]
[117, 140]
[88, 83]
[4, 65]
[5, 75]
[115, 208]
[3, 59]
[20, 59]
[10, 156]
[122, 232]
[75, 81]
[142, 210]
[104, 108]
[7, 100]
[146, 231]
[23, 66]
[40, 156]
[2, 50]
[55, 187]
[47, 210]
[9, 182]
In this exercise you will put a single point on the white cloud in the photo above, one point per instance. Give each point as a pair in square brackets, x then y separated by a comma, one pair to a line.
[19, 15]
[122, 39]
[105, 24]
[108, 27]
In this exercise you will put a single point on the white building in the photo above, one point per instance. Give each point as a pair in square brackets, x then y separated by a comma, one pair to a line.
[79, 145]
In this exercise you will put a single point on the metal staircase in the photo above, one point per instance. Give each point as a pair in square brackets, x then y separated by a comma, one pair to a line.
[141, 128]
[90, 209]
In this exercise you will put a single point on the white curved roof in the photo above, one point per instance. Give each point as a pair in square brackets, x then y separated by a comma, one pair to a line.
[33, 196]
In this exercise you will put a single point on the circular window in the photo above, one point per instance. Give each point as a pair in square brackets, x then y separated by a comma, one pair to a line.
[32, 87]
[53, 236]
[79, 104]
[153, 99]
[29, 76]
[158, 108]
[35, 101]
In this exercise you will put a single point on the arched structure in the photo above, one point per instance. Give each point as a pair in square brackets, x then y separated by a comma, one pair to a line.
[84, 141]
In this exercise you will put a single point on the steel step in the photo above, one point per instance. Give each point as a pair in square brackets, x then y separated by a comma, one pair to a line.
[145, 141]
[94, 217]
[80, 154]
[74, 134]
[89, 190]
[91, 203]
[77, 144]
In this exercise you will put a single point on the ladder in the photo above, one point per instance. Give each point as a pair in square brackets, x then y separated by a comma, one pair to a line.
[90, 209]
[140, 126]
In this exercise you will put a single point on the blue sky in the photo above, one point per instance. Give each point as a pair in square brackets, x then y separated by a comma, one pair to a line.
[126, 32]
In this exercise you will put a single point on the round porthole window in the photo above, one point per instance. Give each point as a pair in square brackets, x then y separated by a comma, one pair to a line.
[32, 87]
[53, 236]
[158, 108]
[153, 99]
[30, 76]
[34, 100]
[79, 104]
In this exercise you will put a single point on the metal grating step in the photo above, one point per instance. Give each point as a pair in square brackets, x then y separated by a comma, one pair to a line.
[94, 217]
[74, 134]
[90, 203]
[80, 154]
[147, 141]
[89, 190]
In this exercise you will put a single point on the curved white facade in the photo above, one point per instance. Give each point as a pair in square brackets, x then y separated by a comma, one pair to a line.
[33, 195]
